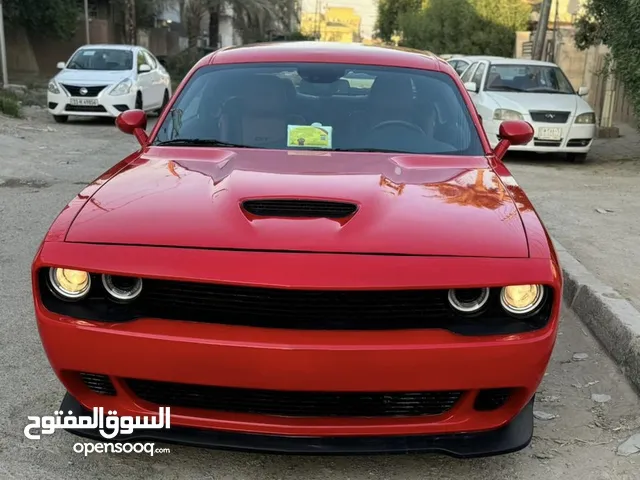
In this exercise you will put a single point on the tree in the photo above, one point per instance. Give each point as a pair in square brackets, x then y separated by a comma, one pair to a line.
[481, 27]
[50, 18]
[615, 23]
[389, 13]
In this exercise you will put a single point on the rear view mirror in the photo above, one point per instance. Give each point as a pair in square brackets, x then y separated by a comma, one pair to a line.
[471, 87]
[134, 122]
[583, 91]
[60, 65]
[144, 68]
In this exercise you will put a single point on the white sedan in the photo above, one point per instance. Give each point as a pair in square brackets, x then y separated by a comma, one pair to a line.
[541, 94]
[106, 80]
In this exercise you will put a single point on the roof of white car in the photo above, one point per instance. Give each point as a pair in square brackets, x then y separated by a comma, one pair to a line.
[114, 46]
[520, 61]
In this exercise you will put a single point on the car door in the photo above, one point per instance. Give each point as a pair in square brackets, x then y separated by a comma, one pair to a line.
[145, 82]
[468, 73]
[158, 83]
[478, 96]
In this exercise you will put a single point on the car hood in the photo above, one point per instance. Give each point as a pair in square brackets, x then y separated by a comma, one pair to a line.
[407, 205]
[92, 77]
[524, 102]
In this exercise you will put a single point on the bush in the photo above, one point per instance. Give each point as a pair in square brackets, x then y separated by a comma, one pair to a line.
[10, 103]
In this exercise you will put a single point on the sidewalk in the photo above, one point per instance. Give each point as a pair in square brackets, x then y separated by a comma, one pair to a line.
[593, 209]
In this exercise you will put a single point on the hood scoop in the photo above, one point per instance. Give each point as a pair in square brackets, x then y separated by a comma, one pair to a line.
[299, 208]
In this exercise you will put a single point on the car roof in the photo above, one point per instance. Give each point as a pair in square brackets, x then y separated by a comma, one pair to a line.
[325, 52]
[521, 61]
[114, 46]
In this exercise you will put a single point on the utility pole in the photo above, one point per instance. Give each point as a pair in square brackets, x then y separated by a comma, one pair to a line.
[130, 21]
[3, 51]
[86, 20]
[541, 33]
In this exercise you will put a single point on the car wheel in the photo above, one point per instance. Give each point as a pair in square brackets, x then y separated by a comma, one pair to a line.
[139, 104]
[577, 157]
[60, 118]
[165, 102]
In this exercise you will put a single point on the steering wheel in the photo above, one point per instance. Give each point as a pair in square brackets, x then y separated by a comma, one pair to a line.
[402, 123]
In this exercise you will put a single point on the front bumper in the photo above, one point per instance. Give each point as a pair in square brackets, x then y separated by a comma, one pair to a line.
[105, 105]
[512, 437]
[576, 138]
[288, 360]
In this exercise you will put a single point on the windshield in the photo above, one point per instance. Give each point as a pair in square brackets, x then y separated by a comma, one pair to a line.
[322, 106]
[528, 78]
[101, 59]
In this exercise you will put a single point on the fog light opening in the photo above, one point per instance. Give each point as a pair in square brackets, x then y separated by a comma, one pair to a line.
[122, 289]
[468, 300]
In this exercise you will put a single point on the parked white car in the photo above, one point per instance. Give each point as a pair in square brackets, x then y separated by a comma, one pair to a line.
[106, 80]
[541, 94]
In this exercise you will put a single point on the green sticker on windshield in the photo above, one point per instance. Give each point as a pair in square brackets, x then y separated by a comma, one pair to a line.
[315, 136]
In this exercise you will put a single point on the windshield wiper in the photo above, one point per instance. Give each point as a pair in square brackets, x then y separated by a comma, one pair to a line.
[201, 142]
[371, 150]
[507, 88]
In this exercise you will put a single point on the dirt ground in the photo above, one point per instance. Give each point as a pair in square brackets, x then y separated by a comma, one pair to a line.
[591, 409]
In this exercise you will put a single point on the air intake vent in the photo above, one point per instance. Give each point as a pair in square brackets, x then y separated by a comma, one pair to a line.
[98, 383]
[299, 208]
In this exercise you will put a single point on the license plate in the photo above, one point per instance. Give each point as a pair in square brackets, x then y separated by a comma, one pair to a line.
[86, 102]
[550, 133]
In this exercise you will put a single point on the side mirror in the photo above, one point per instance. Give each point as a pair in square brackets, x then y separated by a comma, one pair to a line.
[61, 65]
[471, 87]
[512, 132]
[144, 68]
[134, 122]
[583, 91]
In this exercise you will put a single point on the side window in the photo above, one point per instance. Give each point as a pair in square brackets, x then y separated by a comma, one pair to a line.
[479, 73]
[142, 60]
[469, 73]
[150, 60]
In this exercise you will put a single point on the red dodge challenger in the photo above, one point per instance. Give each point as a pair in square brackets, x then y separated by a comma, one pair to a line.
[315, 250]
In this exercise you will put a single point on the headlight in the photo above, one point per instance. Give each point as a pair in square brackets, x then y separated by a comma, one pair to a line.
[586, 118]
[122, 289]
[69, 284]
[53, 87]
[521, 299]
[506, 114]
[468, 300]
[123, 88]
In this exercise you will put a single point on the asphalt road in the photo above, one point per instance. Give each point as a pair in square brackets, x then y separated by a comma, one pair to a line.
[43, 165]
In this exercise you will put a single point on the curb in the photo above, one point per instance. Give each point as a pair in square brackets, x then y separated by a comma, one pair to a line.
[611, 318]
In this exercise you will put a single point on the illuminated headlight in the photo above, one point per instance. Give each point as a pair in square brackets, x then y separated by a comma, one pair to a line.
[588, 118]
[122, 289]
[53, 87]
[521, 299]
[506, 114]
[468, 300]
[123, 88]
[69, 284]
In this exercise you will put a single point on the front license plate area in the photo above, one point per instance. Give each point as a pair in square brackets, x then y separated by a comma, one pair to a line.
[550, 133]
[84, 102]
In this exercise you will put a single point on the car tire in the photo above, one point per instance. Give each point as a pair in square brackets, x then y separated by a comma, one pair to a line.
[577, 157]
[139, 104]
[165, 102]
[60, 118]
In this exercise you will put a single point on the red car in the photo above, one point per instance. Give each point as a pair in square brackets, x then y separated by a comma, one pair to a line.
[315, 250]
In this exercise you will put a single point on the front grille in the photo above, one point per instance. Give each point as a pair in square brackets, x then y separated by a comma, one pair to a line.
[547, 143]
[74, 90]
[85, 108]
[294, 404]
[549, 116]
[299, 208]
[295, 309]
[98, 383]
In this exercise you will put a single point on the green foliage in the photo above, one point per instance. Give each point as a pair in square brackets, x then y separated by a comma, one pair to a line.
[472, 27]
[9, 103]
[49, 18]
[389, 13]
[616, 23]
